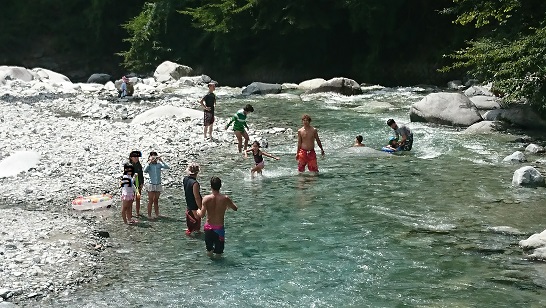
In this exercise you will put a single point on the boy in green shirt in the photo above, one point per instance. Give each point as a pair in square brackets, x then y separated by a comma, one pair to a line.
[239, 124]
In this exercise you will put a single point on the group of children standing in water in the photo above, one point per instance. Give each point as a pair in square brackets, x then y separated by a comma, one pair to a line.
[214, 205]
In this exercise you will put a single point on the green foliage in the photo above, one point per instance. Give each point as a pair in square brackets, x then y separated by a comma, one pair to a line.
[146, 48]
[511, 55]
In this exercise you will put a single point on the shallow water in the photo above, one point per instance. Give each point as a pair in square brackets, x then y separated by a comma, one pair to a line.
[413, 230]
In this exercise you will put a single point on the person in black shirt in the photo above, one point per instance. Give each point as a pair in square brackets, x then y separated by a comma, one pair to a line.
[208, 102]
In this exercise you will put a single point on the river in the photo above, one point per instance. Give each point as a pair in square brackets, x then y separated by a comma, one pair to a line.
[423, 229]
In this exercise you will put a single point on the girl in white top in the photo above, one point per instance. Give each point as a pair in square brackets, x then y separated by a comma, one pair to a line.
[128, 190]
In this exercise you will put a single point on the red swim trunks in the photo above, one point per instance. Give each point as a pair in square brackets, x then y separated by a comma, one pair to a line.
[192, 221]
[308, 158]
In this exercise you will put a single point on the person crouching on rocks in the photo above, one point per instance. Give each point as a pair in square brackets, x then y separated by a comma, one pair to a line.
[128, 190]
[155, 164]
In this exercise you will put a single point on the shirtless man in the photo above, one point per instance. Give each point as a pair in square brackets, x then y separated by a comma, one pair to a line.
[305, 155]
[215, 205]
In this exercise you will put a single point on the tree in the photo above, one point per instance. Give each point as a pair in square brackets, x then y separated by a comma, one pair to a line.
[511, 51]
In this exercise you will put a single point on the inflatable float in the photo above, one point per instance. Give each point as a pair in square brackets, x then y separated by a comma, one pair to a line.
[388, 150]
[91, 202]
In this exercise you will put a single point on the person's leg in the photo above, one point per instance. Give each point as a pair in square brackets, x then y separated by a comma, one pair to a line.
[123, 211]
[210, 130]
[150, 201]
[245, 134]
[239, 136]
[302, 161]
[205, 131]
[156, 203]
[210, 237]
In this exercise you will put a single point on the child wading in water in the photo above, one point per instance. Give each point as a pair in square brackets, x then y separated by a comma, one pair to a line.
[239, 124]
[258, 159]
[128, 190]
[155, 164]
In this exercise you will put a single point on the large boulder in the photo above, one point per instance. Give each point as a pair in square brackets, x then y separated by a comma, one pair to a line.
[339, 85]
[51, 76]
[527, 176]
[169, 70]
[18, 162]
[478, 91]
[99, 78]
[311, 84]
[534, 149]
[262, 88]
[445, 108]
[483, 102]
[522, 116]
[483, 127]
[16, 72]
[537, 243]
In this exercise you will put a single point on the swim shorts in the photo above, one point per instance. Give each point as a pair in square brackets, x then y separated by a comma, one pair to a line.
[192, 221]
[309, 158]
[154, 187]
[261, 164]
[214, 238]
[208, 118]
[408, 144]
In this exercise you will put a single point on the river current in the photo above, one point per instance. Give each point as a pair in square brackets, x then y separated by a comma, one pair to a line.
[434, 227]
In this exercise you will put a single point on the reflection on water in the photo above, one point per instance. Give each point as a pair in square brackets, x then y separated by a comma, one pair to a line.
[371, 230]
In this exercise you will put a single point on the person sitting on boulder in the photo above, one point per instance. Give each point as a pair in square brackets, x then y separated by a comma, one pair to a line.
[126, 88]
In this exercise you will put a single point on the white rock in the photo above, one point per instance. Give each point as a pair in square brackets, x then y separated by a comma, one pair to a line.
[534, 241]
[18, 162]
[534, 148]
[527, 176]
[311, 84]
[515, 157]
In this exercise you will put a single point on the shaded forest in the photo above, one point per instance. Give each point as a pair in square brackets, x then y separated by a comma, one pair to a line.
[393, 42]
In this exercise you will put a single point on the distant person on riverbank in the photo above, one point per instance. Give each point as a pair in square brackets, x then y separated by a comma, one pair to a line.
[208, 102]
[403, 133]
[239, 124]
[194, 201]
[215, 205]
[258, 158]
[358, 141]
[124, 91]
[305, 154]
[127, 185]
[134, 160]
[154, 188]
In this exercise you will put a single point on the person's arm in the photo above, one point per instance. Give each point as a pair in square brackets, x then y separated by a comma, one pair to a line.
[233, 118]
[146, 169]
[319, 143]
[203, 211]
[231, 205]
[269, 155]
[203, 105]
[299, 145]
[196, 193]
[246, 152]
[163, 164]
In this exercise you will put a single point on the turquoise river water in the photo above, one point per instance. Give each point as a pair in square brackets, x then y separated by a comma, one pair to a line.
[412, 230]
